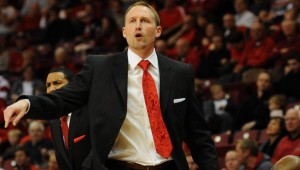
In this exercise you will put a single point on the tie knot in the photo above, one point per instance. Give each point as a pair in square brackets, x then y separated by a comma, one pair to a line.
[64, 118]
[144, 64]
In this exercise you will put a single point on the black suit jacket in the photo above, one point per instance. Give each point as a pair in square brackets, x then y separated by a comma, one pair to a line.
[79, 141]
[102, 86]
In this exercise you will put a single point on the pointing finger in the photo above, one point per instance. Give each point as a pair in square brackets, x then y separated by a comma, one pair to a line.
[8, 116]
[18, 117]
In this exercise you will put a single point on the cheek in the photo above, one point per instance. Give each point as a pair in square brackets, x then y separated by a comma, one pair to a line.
[59, 86]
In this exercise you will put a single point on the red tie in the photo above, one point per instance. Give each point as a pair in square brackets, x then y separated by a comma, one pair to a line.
[65, 129]
[160, 134]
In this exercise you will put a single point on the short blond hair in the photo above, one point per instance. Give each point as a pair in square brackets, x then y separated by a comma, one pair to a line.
[37, 124]
[216, 88]
[145, 4]
[15, 132]
[278, 99]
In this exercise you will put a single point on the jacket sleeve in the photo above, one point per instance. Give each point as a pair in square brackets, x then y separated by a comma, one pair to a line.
[198, 136]
[62, 101]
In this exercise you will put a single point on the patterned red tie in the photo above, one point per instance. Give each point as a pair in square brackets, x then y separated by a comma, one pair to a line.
[65, 129]
[160, 134]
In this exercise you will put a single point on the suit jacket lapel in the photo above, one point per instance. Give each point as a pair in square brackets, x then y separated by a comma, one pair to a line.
[120, 72]
[166, 78]
[72, 128]
[58, 137]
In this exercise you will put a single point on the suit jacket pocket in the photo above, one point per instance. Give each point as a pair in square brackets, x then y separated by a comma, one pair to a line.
[76, 140]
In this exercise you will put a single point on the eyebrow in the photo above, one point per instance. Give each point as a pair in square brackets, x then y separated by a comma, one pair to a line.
[54, 81]
[142, 17]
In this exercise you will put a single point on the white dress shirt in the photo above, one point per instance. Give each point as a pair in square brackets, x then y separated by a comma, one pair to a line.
[245, 18]
[135, 142]
[27, 88]
[68, 123]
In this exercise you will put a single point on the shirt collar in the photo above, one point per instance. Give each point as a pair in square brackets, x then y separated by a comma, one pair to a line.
[134, 59]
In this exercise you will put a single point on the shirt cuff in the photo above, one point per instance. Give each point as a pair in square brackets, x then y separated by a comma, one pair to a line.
[27, 100]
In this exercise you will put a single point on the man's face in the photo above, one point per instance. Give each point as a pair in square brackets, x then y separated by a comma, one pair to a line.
[161, 46]
[273, 127]
[257, 31]
[239, 6]
[217, 41]
[60, 56]
[292, 121]
[140, 29]
[218, 94]
[28, 74]
[228, 21]
[13, 138]
[55, 81]
[231, 160]
[289, 28]
[21, 158]
[36, 134]
[182, 47]
[293, 65]
[263, 82]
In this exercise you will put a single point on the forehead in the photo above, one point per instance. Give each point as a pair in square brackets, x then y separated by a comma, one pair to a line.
[139, 11]
[288, 23]
[35, 128]
[20, 152]
[263, 76]
[291, 113]
[228, 17]
[231, 154]
[217, 38]
[55, 76]
[292, 61]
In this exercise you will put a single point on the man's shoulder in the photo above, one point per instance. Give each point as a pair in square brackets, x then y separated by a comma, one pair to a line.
[172, 62]
[106, 60]
[103, 57]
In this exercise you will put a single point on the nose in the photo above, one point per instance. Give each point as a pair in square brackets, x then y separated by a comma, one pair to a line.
[51, 88]
[138, 25]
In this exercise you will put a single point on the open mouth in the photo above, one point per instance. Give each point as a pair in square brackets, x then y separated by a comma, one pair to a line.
[138, 35]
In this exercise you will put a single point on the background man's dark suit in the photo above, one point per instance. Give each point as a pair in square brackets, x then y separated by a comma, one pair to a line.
[102, 85]
[78, 151]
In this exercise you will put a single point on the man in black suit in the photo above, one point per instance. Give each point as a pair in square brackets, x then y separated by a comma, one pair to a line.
[69, 156]
[116, 89]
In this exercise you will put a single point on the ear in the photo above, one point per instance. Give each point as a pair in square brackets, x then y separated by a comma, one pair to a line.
[124, 32]
[158, 31]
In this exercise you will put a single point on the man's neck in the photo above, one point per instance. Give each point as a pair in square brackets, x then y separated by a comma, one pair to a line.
[143, 53]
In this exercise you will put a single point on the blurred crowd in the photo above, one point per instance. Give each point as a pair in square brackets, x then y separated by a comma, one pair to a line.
[245, 55]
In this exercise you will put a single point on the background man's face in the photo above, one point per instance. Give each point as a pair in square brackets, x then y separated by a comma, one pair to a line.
[55, 81]
[292, 121]
[21, 158]
[294, 65]
[263, 82]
